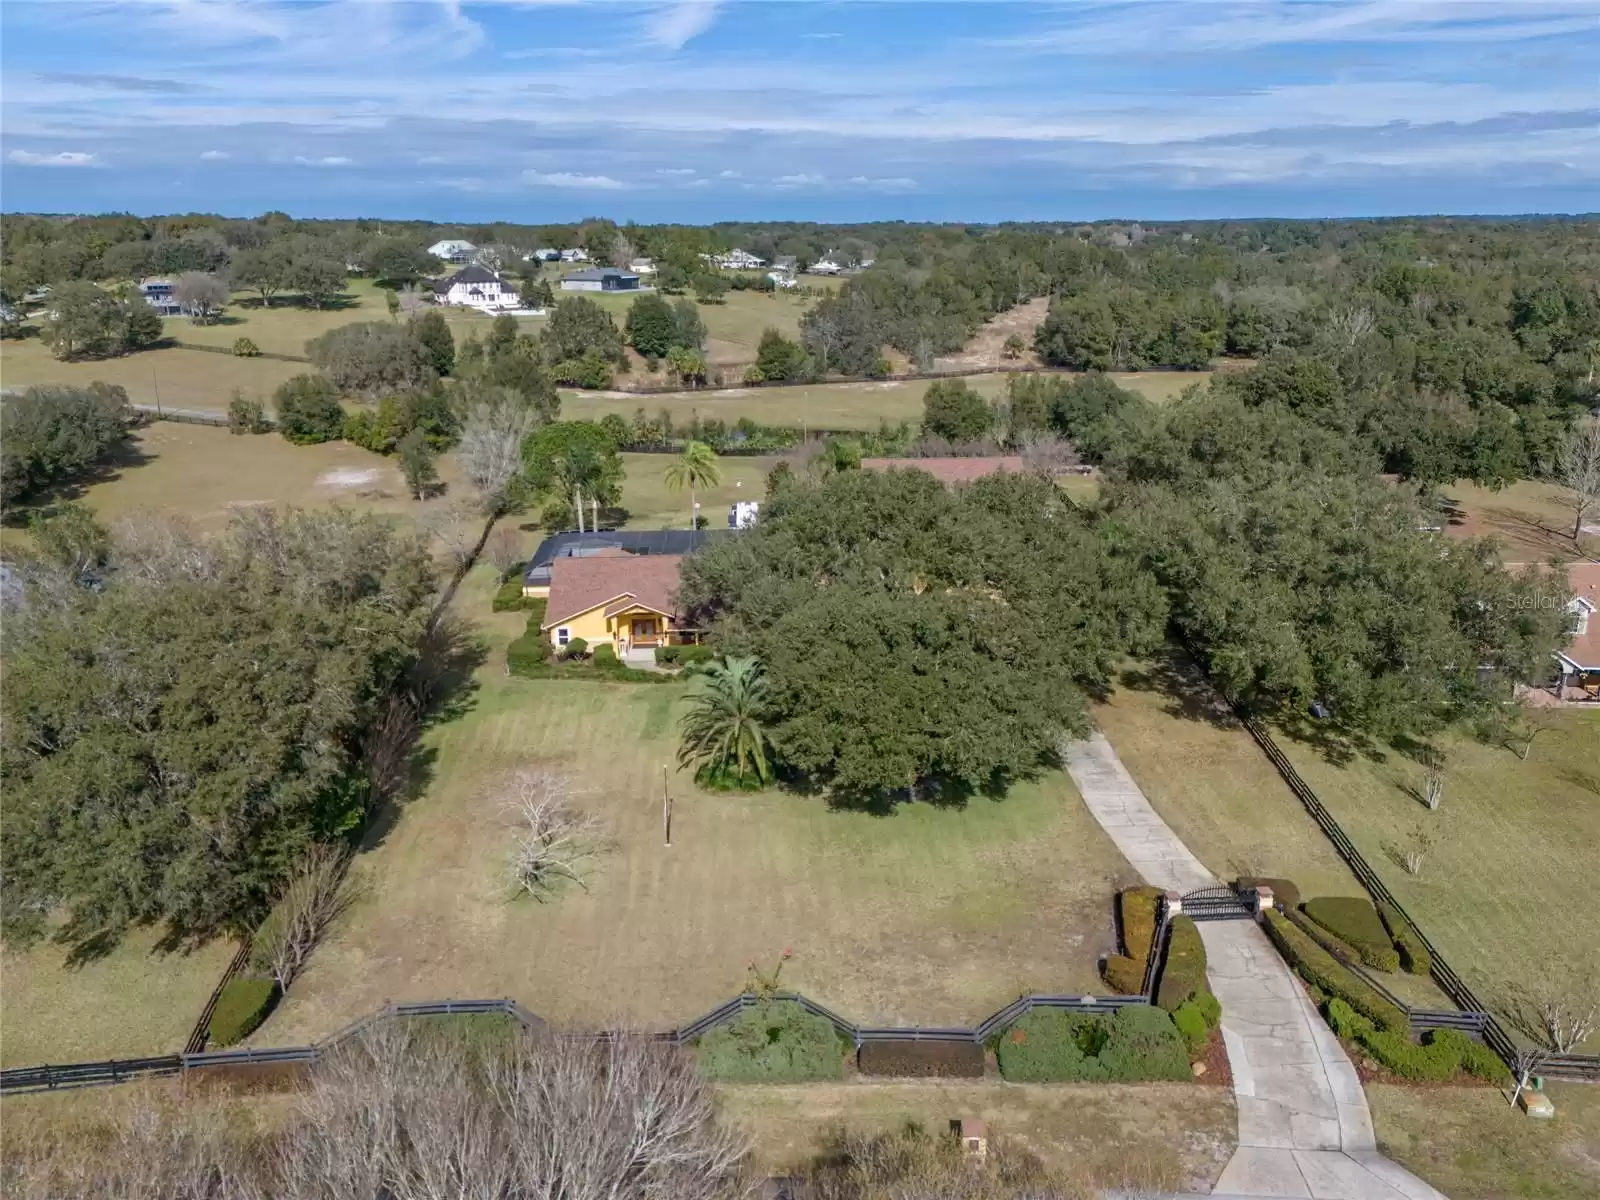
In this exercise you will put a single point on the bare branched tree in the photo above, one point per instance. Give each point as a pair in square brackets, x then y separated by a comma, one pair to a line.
[503, 550]
[1412, 857]
[553, 840]
[1047, 453]
[455, 529]
[315, 896]
[490, 451]
[1352, 324]
[160, 550]
[412, 299]
[1579, 471]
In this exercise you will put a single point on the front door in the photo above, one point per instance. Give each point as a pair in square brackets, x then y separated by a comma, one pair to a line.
[644, 631]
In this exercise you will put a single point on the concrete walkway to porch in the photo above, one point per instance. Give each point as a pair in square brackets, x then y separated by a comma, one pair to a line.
[1305, 1132]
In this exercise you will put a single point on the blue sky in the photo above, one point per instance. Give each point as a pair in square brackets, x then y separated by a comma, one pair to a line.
[695, 110]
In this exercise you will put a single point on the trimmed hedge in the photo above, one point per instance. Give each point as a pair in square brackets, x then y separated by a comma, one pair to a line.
[1284, 892]
[944, 1060]
[683, 656]
[1442, 1053]
[775, 1042]
[1192, 1025]
[508, 596]
[1183, 974]
[606, 656]
[1320, 969]
[529, 656]
[1353, 920]
[1138, 907]
[1047, 1046]
[242, 1006]
[1333, 945]
[1414, 956]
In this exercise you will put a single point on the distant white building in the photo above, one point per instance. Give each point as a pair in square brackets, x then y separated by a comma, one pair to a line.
[161, 295]
[742, 513]
[600, 279]
[783, 270]
[477, 287]
[826, 265]
[575, 255]
[543, 254]
[453, 250]
[642, 266]
[739, 260]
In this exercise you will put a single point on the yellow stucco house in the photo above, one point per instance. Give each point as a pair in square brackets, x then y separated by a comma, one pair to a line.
[625, 600]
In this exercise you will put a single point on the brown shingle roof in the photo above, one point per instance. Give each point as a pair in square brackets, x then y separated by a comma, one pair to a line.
[950, 470]
[580, 584]
[1584, 580]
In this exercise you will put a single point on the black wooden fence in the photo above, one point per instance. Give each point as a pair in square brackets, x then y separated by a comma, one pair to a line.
[49, 1078]
[1580, 1067]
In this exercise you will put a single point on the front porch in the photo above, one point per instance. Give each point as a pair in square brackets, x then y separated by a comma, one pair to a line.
[639, 628]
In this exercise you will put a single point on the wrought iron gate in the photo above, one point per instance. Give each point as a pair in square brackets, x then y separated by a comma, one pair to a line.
[1220, 904]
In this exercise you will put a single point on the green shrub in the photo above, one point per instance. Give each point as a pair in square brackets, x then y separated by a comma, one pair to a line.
[605, 655]
[1210, 1008]
[242, 1006]
[1124, 975]
[1414, 956]
[1352, 919]
[1284, 893]
[683, 656]
[1139, 1043]
[1192, 1025]
[1442, 1053]
[528, 655]
[1320, 969]
[508, 596]
[1183, 974]
[1333, 945]
[575, 648]
[944, 1060]
[245, 348]
[246, 416]
[774, 1042]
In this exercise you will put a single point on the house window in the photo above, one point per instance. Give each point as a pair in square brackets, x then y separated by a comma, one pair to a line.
[563, 635]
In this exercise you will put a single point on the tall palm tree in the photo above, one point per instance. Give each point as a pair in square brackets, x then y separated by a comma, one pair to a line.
[723, 736]
[696, 467]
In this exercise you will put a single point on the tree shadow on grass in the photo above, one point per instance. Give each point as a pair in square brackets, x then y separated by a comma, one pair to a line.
[936, 791]
[1188, 693]
[125, 455]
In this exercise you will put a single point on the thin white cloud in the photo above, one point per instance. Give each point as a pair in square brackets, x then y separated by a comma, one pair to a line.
[800, 180]
[62, 158]
[573, 181]
[214, 155]
[898, 183]
[327, 160]
[676, 171]
[674, 25]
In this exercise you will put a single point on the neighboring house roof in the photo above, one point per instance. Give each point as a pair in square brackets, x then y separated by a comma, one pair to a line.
[1583, 651]
[469, 275]
[609, 543]
[950, 470]
[620, 582]
[597, 274]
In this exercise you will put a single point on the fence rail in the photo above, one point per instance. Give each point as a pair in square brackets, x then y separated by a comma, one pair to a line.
[30, 1079]
[183, 416]
[1580, 1067]
[202, 1027]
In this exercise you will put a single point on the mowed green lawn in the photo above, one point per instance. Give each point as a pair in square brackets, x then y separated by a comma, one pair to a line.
[135, 1001]
[930, 915]
[1506, 891]
[651, 504]
[1531, 520]
[173, 377]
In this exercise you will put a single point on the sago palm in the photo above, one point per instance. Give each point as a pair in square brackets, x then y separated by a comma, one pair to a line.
[696, 467]
[723, 736]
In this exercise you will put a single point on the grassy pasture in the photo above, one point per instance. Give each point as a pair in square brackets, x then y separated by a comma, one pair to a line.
[1471, 1145]
[174, 377]
[652, 505]
[1531, 520]
[1172, 1136]
[203, 472]
[132, 1002]
[931, 915]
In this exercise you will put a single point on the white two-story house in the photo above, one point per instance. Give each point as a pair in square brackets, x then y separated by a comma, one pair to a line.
[477, 287]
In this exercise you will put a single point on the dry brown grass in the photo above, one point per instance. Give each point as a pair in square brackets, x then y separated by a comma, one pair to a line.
[175, 378]
[986, 349]
[1176, 1136]
[1531, 520]
[1471, 1145]
[931, 915]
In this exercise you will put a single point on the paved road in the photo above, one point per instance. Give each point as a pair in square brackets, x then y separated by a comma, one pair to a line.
[1304, 1129]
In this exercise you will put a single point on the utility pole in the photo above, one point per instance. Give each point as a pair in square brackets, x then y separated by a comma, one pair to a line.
[594, 508]
[577, 502]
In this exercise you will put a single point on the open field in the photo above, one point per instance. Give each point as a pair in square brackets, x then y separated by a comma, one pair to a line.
[1506, 890]
[203, 472]
[1471, 1145]
[1531, 520]
[1211, 783]
[174, 377]
[1169, 1135]
[830, 405]
[987, 347]
[132, 1002]
[931, 915]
